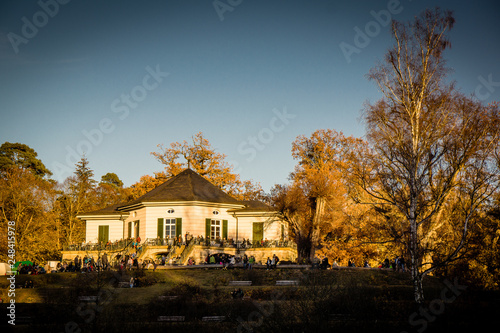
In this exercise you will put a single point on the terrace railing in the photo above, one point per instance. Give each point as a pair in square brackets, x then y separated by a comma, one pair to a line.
[111, 247]
[125, 246]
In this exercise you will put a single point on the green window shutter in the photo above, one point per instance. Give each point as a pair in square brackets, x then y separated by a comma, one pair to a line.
[178, 226]
[224, 229]
[103, 236]
[129, 234]
[207, 227]
[258, 231]
[99, 235]
[160, 228]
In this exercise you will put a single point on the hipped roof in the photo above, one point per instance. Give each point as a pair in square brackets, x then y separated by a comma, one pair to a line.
[186, 186]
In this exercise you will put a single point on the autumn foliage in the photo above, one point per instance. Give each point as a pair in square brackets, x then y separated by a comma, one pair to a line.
[200, 157]
[422, 184]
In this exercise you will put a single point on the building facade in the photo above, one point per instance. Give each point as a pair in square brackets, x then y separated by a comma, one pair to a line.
[187, 205]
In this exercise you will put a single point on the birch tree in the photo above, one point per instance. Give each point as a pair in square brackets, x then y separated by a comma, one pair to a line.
[432, 148]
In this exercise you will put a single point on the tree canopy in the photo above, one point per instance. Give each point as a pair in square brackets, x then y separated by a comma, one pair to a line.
[112, 179]
[203, 159]
[316, 201]
[23, 156]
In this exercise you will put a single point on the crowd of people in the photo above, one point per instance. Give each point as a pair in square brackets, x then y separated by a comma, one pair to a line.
[228, 261]
[87, 263]
[78, 264]
[398, 264]
[271, 263]
[320, 264]
[131, 261]
[216, 242]
[33, 269]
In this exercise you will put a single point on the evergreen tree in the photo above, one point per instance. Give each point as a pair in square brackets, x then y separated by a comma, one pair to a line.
[21, 155]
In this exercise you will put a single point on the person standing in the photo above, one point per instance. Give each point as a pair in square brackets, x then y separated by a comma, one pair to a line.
[245, 261]
[78, 263]
[268, 263]
[251, 261]
[104, 261]
[324, 263]
[395, 266]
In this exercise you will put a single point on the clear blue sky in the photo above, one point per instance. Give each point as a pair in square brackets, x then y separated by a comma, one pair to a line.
[116, 78]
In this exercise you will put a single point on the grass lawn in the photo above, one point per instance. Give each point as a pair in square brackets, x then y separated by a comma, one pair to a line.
[323, 301]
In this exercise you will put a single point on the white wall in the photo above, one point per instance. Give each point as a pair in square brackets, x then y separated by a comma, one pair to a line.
[92, 230]
[272, 228]
[193, 219]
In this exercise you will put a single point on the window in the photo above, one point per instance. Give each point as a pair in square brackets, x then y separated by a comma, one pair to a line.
[215, 212]
[215, 229]
[136, 228]
[133, 229]
[170, 211]
[170, 227]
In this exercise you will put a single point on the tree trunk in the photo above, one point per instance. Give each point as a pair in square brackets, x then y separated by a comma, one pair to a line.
[414, 243]
[418, 289]
[415, 263]
[318, 214]
[414, 269]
